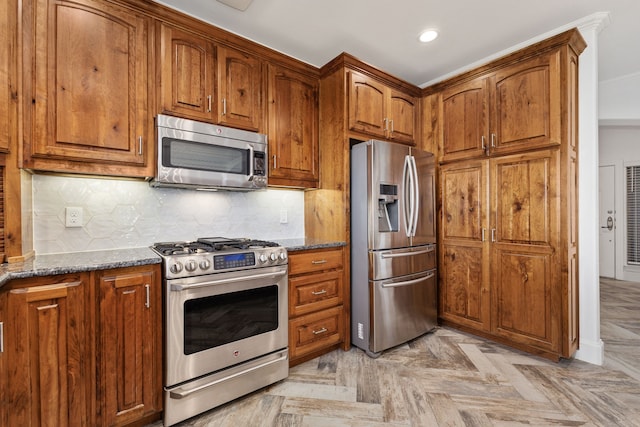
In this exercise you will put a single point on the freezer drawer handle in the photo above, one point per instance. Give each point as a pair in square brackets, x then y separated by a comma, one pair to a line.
[408, 282]
[403, 254]
[182, 394]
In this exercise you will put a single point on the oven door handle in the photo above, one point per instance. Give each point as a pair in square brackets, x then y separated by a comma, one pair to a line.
[181, 393]
[184, 287]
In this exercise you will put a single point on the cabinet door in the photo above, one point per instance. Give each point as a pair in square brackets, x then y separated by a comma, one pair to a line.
[46, 355]
[464, 265]
[401, 111]
[187, 74]
[4, 383]
[90, 84]
[293, 128]
[129, 348]
[526, 286]
[526, 105]
[8, 55]
[366, 105]
[465, 120]
[240, 89]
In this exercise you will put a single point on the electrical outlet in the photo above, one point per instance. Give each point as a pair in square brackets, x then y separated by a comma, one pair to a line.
[283, 216]
[73, 217]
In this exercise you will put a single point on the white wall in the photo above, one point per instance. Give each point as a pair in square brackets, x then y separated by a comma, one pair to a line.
[128, 213]
[619, 147]
[619, 99]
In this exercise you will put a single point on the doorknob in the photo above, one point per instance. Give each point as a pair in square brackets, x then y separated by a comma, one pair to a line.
[609, 224]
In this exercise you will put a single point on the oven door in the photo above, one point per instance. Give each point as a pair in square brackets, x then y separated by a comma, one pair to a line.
[219, 320]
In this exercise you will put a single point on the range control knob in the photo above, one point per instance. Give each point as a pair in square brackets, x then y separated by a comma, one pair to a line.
[191, 265]
[205, 264]
[263, 258]
[273, 256]
[176, 268]
[283, 256]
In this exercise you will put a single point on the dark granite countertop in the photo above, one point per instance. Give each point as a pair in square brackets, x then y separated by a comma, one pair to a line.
[75, 262]
[305, 243]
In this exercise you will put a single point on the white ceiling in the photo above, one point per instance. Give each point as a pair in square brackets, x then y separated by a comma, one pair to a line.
[385, 33]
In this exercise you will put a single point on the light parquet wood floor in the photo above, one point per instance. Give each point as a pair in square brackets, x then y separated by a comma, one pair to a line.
[448, 378]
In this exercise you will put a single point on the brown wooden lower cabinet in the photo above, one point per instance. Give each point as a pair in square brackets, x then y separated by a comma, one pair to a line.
[81, 349]
[504, 267]
[317, 310]
[129, 345]
[47, 351]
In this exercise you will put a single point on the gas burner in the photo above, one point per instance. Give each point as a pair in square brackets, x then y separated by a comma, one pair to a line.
[182, 248]
[221, 243]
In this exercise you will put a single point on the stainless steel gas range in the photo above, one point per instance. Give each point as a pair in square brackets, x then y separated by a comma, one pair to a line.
[225, 321]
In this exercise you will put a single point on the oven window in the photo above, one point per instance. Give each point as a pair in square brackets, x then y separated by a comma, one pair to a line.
[178, 153]
[220, 319]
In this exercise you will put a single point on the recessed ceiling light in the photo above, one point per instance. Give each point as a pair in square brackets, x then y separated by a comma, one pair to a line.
[428, 36]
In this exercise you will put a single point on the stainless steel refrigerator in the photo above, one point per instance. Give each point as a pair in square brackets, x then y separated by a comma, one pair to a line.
[393, 250]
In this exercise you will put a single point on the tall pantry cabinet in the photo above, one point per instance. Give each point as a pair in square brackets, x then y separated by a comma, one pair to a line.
[508, 198]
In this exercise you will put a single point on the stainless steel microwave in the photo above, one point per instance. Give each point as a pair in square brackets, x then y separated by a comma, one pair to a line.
[204, 156]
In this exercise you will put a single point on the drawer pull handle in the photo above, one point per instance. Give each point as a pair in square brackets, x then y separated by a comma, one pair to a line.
[322, 292]
[321, 331]
[322, 261]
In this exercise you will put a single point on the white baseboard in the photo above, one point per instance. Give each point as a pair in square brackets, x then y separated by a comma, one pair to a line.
[591, 352]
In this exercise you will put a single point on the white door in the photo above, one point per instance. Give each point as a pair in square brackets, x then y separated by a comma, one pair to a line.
[607, 222]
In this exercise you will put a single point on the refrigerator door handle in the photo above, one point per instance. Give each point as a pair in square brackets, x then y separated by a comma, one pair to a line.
[416, 197]
[407, 209]
[408, 282]
[404, 254]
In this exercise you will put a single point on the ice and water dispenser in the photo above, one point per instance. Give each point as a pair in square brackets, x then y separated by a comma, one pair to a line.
[388, 208]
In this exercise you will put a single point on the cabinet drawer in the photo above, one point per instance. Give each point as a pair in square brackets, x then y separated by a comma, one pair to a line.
[316, 331]
[315, 292]
[308, 262]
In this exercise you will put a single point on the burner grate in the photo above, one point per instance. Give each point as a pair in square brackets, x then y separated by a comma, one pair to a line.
[178, 248]
[210, 244]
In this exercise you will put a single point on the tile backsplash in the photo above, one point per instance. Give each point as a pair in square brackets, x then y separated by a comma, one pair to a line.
[129, 213]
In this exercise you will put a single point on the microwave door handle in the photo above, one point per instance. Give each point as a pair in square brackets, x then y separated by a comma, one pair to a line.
[251, 160]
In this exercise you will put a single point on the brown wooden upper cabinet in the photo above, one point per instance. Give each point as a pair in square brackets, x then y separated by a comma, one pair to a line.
[240, 89]
[293, 128]
[187, 74]
[208, 82]
[512, 109]
[88, 109]
[8, 55]
[381, 111]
